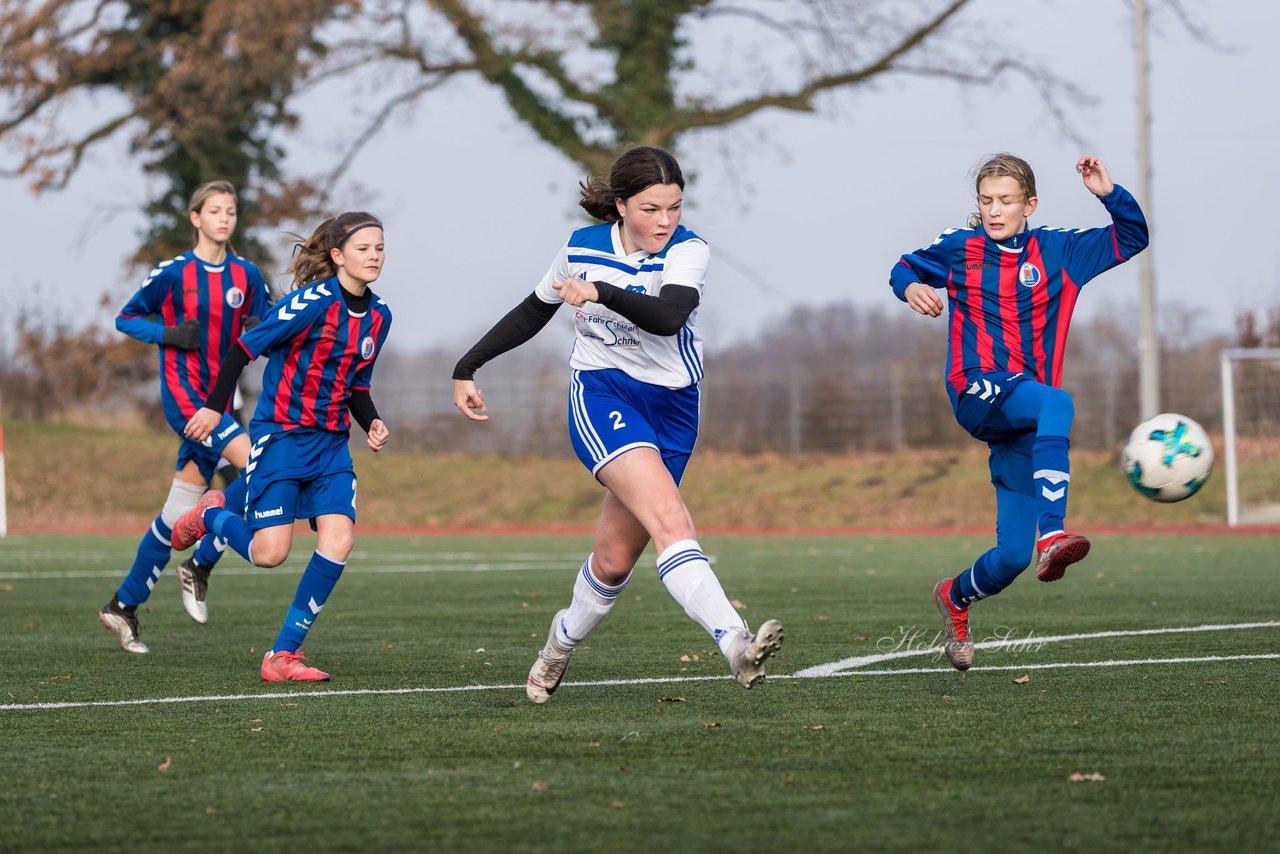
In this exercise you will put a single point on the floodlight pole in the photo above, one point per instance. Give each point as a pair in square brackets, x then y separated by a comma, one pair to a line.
[1148, 342]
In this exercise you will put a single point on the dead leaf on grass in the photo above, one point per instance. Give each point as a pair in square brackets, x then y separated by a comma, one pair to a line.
[821, 618]
[6, 588]
[540, 787]
[256, 720]
[291, 705]
[210, 810]
[61, 676]
[256, 729]
[739, 604]
[711, 724]
[815, 726]
[671, 699]
[165, 765]
[617, 805]
[1023, 679]
[1091, 777]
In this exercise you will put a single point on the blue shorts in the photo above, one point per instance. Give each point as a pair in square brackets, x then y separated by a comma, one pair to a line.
[979, 406]
[207, 453]
[299, 474]
[610, 413]
[1010, 464]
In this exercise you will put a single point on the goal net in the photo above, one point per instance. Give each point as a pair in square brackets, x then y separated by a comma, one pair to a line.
[1251, 434]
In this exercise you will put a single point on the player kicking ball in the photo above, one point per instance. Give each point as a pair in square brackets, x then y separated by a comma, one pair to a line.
[635, 281]
[1011, 290]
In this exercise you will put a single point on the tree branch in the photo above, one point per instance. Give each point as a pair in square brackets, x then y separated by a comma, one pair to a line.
[801, 100]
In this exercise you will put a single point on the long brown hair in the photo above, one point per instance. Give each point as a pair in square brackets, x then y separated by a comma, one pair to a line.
[637, 169]
[311, 259]
[1003, 165]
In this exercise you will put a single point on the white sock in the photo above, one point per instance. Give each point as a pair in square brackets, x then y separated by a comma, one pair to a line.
[592, 600]
[688, 576]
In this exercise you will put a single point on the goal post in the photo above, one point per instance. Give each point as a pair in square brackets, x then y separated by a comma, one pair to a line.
[1251, 434]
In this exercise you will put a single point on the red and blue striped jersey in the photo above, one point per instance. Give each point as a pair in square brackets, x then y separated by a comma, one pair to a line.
[1011, 301]
[219, 297]
[318, 352]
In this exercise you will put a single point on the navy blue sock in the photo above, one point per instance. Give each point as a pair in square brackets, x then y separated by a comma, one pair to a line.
[152, 558]
[1052, 467]
[317, 582]
[211, 547]
[962, 589]
[231, 527]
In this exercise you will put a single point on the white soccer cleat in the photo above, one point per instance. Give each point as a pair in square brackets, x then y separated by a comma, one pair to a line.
[123, 623]
[747, 654]
[549, 668]
[195, 587]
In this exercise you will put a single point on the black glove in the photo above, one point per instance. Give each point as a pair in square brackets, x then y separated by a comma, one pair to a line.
[185, 336]
[250, 321]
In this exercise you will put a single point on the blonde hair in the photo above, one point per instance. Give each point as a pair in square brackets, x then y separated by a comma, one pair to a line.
[201, 195]
[1003, 165]
[312, 261]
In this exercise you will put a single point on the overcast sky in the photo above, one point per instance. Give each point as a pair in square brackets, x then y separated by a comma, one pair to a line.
[807, 209]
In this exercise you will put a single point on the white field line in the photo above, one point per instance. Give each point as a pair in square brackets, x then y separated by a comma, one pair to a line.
[295, 568]
[102, 556]
[836, 669]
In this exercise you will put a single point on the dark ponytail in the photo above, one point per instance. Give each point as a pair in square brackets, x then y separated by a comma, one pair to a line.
[636, 170]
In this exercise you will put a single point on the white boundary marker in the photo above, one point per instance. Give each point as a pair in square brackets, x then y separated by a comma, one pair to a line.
[835, 669]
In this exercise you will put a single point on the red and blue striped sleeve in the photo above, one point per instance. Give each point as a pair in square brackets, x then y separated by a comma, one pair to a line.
[930, 266]
[1089, 252]
[134, 319]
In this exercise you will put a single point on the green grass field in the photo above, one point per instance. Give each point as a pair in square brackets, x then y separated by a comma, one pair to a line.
[861, 739]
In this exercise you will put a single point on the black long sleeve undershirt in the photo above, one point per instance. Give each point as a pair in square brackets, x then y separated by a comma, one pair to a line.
[229, 371]
[663, 314]
[361, 407]
[516, 327]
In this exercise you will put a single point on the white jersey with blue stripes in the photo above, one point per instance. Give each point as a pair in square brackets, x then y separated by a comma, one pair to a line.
[606, 339]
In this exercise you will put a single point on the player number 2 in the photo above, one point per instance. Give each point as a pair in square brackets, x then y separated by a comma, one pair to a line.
[618, 423]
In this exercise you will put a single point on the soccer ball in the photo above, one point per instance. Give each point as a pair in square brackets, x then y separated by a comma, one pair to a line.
[1168, 457]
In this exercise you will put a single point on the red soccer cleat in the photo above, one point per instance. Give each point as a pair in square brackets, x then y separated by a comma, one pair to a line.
[1057, 552]
[188, 530]
[287, 666]
[956, 642]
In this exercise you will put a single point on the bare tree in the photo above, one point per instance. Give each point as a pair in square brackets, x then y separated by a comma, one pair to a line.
[205, 86]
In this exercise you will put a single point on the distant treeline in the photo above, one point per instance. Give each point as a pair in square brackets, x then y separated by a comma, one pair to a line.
[823, 379]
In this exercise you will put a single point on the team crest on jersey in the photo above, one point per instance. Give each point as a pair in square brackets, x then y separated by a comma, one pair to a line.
[366, 347]
[235, 297]
[1029, 275]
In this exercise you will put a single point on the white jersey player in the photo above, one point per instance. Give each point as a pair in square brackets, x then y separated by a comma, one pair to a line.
[635, 283]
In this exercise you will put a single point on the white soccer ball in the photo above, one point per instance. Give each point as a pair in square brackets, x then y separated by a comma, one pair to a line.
[1168, 457]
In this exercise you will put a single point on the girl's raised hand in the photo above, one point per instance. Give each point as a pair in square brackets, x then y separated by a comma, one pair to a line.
[1095, 175]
